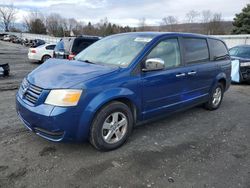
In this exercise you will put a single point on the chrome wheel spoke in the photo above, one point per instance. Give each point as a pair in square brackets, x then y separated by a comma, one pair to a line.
[109, 136]
[106, 125]
[118, 134]
[115, 117]
[122, 123]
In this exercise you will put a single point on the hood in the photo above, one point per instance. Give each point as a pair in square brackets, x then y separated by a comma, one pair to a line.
[240, 59]
[56, 74]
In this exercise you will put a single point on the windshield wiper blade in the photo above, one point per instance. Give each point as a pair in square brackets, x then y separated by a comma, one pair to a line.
[87, 61]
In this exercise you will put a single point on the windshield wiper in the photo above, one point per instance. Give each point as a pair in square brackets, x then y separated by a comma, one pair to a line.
[87, 61]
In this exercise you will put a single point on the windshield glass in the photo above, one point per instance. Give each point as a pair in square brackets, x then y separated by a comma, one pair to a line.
[233, 51]
[117, 50]
[243, 52]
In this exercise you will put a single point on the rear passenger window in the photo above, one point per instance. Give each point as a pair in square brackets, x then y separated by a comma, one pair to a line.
[167, 50]
[218, 50]
[196, 50]
[50, 47]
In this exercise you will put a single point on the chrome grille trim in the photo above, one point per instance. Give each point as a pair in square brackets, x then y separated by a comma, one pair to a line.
[30, 92]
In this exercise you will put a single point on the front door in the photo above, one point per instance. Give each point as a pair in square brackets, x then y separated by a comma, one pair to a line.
[162, 89]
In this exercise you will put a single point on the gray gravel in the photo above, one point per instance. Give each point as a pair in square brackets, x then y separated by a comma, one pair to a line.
[195, 148]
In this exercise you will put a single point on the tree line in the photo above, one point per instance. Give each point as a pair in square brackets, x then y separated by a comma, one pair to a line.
[55, 25]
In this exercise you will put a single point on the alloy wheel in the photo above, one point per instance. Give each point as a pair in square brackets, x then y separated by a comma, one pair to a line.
[114, 127]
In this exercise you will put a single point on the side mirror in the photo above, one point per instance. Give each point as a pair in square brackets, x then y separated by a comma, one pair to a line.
[153, 64]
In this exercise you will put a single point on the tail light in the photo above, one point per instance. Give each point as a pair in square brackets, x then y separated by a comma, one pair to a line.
[33, 51]
[71, 56]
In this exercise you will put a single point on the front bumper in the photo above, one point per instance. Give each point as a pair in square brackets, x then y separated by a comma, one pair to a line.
[52, 123]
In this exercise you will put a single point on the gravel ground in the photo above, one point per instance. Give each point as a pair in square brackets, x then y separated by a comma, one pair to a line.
[195, 148]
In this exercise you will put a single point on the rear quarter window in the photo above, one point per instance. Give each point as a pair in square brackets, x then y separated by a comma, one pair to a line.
[196, 50]
[50, 47]
[81, 44]
[218, 50]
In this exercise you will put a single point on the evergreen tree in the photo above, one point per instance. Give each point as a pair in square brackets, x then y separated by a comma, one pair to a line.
[242, 21]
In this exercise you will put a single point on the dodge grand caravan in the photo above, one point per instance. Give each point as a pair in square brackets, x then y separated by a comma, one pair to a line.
[120, 81]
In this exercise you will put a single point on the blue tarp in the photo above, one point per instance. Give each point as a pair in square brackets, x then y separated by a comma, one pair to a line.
[235, 72]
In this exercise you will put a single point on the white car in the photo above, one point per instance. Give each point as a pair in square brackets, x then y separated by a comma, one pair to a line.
[41, 53]
[6, 38]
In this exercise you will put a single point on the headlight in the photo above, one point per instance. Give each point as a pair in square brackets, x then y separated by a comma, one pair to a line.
[63, 97]
[245, 64]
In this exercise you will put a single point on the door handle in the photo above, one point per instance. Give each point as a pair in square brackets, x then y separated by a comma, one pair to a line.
[180, 75]
[192, 73]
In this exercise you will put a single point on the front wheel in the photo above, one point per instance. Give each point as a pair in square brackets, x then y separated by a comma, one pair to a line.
[215, 98]
[111, 126]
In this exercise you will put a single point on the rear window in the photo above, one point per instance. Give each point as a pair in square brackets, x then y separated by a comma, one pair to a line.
[218, 50]
[196, 50]
[50, 47]
[81, 44]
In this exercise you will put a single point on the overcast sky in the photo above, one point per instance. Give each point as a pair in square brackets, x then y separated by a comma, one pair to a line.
[127, 12]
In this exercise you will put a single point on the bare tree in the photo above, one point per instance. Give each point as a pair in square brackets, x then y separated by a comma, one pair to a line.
[191, 16]
[170, 22]
[142, 24]
[206, 17]
[71, 25]
[7, 16]
[215, 24]
[55, 25]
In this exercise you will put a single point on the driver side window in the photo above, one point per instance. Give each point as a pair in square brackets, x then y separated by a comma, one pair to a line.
[168, 50]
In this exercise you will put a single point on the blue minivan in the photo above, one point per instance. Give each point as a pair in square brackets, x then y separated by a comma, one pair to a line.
[120, 81]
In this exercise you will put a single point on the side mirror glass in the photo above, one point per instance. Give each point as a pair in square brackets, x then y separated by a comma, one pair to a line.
[153, 64]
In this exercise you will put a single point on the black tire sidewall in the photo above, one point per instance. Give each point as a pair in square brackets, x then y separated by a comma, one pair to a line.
[96, 128]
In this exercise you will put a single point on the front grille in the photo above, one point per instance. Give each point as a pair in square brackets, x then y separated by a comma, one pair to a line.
[245, 69]
[30, 92]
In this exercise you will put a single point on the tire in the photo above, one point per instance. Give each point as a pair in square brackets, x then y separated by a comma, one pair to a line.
[215, 100]
[45, 58]
[111, 122]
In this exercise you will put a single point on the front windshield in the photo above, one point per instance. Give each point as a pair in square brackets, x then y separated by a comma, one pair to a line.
[243, 52]
[233, 51]
[117, 50]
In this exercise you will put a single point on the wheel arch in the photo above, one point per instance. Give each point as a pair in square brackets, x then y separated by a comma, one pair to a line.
[123, 95]
[45, 55]
[221, 78]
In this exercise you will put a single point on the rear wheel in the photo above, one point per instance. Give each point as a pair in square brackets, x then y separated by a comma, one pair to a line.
[45, 58]
[111, 127]
[215, 98]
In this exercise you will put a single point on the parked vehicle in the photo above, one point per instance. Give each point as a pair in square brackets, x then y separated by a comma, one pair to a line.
[41, 53]
[2, 36]
[37, 42]
[4, 69]
[242, 53]
[120, 81]
[6, 38]
[17, 40]
[13, 38]
[69, 47]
